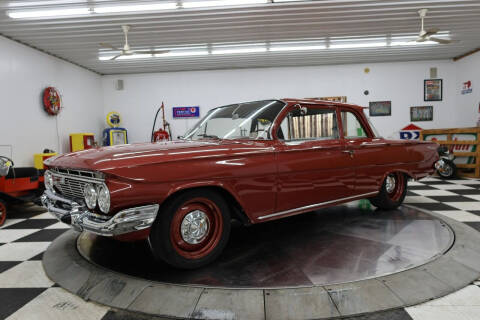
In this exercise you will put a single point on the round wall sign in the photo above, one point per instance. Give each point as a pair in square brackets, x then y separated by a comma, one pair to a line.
[51, 101]
[114, 119]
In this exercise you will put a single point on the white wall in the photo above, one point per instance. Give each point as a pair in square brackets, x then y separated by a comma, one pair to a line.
[467, 106]
[400, 82]
[24, 126]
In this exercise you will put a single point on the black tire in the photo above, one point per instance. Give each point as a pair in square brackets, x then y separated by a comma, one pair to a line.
[169, 244]
[3, 212]
[385, 200]
[451, 173]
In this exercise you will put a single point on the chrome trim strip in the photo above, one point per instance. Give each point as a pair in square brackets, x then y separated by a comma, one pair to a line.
[315, 205]
[75, 177]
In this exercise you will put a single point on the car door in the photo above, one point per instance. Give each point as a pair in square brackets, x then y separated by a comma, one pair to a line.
[367, 152]
[313, 166]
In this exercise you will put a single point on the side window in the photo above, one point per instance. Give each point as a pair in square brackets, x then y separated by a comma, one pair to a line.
[309, 123]
[352, 127]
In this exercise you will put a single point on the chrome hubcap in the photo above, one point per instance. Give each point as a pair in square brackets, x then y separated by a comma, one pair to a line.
[195, 226]
[390, 184]
[446, 170]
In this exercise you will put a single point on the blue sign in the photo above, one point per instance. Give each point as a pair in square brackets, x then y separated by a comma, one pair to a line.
[186, 112]
[410, 135]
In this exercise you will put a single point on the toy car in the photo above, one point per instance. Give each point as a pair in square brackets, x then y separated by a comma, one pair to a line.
[18, 185]
[255, 162]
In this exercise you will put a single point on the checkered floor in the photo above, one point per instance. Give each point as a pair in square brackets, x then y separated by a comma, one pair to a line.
[27, 293]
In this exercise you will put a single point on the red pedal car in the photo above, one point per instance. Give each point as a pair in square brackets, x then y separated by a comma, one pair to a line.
[255, 162]
[18, 185]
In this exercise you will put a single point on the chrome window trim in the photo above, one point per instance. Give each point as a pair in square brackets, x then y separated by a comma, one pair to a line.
[319, 104]
[312, 206]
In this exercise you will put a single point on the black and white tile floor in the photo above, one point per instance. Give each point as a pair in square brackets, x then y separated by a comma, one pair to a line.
[27, 293]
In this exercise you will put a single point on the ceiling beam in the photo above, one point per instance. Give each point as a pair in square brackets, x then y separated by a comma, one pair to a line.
[469, 53]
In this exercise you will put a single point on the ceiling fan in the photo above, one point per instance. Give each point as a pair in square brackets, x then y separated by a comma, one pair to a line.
[427, 35]
[127, 51]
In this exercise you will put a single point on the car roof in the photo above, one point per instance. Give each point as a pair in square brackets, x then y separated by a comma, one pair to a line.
[322, 102]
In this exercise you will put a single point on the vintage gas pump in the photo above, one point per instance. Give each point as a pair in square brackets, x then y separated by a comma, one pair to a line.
[161, 134]
[81, 141]
[114, 135]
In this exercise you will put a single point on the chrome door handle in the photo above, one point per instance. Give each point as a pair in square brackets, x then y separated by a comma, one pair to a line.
[350, 152]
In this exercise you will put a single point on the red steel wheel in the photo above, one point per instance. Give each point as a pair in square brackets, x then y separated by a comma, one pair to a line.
[3, 212]
[191, 229]
[392, 192]
[395, 185]
[196, 228]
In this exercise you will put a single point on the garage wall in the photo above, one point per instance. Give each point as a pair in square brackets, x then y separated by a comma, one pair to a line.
[401, 82]
[468, 69]
[25, 128]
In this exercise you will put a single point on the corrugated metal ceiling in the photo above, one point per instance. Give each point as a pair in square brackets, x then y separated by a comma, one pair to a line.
[77, 38]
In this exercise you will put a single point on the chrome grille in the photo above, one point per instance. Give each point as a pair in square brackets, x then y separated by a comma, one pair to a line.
[70, 183]
[70, 188]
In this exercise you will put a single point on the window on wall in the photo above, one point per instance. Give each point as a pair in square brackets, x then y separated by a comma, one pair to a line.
[352, 127]
[309, 123]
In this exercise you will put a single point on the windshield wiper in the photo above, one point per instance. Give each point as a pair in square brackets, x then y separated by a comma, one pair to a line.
[208, 136]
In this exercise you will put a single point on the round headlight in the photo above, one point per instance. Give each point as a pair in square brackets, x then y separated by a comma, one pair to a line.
[48, 180]
[104, 199]
[90, 194]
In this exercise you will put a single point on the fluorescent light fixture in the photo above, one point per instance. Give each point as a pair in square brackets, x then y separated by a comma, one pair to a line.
[411, 43]
[39, 3]
[297, 46]
[182, 54]
[139, 7]
[220, 3]
[48, 13]
[358, 45]
[239, 50]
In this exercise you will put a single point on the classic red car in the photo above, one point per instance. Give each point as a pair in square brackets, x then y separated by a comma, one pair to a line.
[254, 161]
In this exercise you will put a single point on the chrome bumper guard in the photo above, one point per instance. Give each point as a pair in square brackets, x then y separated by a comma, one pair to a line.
[78, 216]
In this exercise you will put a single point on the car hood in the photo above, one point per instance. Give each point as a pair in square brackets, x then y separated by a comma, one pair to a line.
[132, 155]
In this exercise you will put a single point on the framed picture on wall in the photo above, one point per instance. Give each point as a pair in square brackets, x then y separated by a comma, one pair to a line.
[380, 108]
[421, 113]
[432, 90]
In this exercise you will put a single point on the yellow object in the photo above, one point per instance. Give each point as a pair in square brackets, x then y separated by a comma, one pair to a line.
[81, 141]
[118, 137]
[114, 119]
[38, 159]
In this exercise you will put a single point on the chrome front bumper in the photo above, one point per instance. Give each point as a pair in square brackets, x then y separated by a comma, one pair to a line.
[78, 216]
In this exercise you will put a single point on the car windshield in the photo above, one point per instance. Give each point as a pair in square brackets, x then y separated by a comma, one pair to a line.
[250, 120]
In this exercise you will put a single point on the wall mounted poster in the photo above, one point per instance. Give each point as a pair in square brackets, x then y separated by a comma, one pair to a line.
[432, 90]
[380, 108]
[421, 113]
[467, 87]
